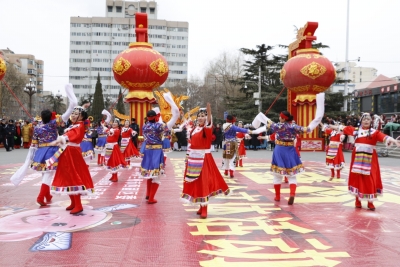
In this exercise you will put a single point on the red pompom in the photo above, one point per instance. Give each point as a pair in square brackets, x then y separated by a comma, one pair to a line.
[53, 115]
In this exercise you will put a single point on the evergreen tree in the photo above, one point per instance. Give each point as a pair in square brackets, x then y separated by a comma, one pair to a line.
[244, 108]
[98, 101]
[120, 103]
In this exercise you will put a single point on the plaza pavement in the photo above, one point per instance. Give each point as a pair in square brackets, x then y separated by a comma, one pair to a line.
[246, 228]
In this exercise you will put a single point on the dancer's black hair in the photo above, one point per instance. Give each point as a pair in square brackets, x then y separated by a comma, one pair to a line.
[46, 116]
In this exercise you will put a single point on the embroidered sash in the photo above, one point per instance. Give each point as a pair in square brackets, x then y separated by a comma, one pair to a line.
[50, 162]
[332, 149]
[124, 142]
[363, 159]
[195, 163]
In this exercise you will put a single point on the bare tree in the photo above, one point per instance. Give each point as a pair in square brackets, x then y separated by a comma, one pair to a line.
[220, 73]
[194, 89]
[9, 105]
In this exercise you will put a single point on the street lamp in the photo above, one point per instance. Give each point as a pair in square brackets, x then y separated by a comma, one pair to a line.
[346, 77]
[30, 89]
[257, 95]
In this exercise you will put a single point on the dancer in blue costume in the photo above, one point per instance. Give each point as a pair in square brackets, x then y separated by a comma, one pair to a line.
[152, 165]
[285, 160]
[230, 147]
[100, 147]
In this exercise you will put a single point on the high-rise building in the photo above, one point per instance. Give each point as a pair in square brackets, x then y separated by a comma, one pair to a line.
[96, 41]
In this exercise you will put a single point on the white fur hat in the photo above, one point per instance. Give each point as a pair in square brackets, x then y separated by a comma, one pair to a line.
[157, 110]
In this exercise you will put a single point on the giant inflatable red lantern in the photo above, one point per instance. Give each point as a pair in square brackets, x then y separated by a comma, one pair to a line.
[306, 74]
[140, 69]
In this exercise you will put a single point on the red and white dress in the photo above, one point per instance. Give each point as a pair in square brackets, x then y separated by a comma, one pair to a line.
[72, 176]
[114, 159]
[365, 175]
[241, 148]
[202, 177]
[127, 148]
[334, 154]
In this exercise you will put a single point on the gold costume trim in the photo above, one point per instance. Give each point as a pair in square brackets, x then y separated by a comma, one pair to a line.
[46, 145]
[284, 143]
[153, 146]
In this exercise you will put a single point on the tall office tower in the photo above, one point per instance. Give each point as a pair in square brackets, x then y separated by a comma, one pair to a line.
[96, 41]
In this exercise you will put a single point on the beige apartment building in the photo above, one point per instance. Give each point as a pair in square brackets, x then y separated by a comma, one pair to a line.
[33, 68]
[96, 41]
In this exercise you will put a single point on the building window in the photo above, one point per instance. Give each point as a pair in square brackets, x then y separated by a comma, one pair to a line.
[119, 9]
[143, 10]
[110, 8]
[152, 10]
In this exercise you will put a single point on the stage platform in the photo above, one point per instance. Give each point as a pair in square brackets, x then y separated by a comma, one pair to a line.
[246, 228]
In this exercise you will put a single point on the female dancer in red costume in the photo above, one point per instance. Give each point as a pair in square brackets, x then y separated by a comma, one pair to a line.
[241, 153]
[334, 154]
[72, 176]
[114, 159]
[127, 148]
[202, 177]
[365, 176]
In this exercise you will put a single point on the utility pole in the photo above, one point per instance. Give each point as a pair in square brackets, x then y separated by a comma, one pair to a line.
[259, 89]
[346, 74]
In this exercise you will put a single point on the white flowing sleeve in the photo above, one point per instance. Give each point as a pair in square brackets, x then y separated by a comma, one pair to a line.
[319, 113]
[174, 110]
[73, 102]
[19, 175]
[105, 112]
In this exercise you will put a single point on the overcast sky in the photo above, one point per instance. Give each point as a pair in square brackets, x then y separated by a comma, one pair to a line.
[41, 28]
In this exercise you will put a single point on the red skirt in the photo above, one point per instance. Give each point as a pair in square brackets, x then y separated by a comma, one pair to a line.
[210, 183]
[338, 162]
[242, 150]
[131, 151]
[72, 176]
[116, 160]
[366, 186]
